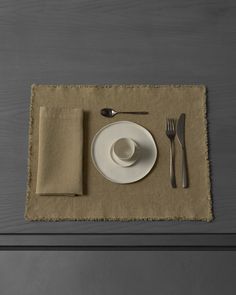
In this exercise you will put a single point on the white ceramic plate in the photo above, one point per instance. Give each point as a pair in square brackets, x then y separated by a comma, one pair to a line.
[100, 152]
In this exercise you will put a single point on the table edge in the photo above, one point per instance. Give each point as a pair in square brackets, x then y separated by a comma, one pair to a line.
[117, 240]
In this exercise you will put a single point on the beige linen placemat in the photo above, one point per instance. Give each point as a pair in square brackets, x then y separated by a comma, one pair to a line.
[152, 198]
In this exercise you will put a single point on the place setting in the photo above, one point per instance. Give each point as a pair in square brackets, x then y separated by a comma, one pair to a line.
[111, 152]
[118, 153]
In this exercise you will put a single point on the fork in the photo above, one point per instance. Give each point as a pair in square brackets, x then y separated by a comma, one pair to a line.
[170, 132]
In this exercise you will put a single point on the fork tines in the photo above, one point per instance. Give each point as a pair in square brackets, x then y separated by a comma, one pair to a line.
[170, 127]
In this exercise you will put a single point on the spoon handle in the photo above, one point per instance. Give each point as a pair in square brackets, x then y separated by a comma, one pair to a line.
[135, 113]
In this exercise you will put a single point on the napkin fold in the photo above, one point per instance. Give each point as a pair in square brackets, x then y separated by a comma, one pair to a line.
[60, 153]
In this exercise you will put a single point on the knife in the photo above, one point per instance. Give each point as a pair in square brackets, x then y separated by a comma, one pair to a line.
[181, 138]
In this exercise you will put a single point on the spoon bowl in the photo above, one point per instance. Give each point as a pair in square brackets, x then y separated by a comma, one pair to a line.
[107, 112]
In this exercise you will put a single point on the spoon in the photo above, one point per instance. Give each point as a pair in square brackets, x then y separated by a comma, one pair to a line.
[111, 113]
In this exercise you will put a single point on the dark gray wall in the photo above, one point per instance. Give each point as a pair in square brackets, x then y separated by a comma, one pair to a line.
[115, 273]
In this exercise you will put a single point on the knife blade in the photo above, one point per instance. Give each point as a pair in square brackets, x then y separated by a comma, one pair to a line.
[181, 138]
[181, 130]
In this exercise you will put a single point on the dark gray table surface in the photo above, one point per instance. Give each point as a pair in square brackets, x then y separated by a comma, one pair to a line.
[116, 42]
[120, 272]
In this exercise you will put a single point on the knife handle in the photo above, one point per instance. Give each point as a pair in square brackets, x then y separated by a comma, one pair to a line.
[184, 169]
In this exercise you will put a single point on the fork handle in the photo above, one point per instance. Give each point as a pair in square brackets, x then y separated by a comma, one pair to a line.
[172, 164]
[184, 169]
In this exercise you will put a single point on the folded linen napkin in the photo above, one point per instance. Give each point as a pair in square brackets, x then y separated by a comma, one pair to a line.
[60, 151]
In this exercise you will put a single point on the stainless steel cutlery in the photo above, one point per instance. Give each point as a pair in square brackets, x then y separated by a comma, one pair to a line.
[107, 112]
[170, 132]
[181, 138]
